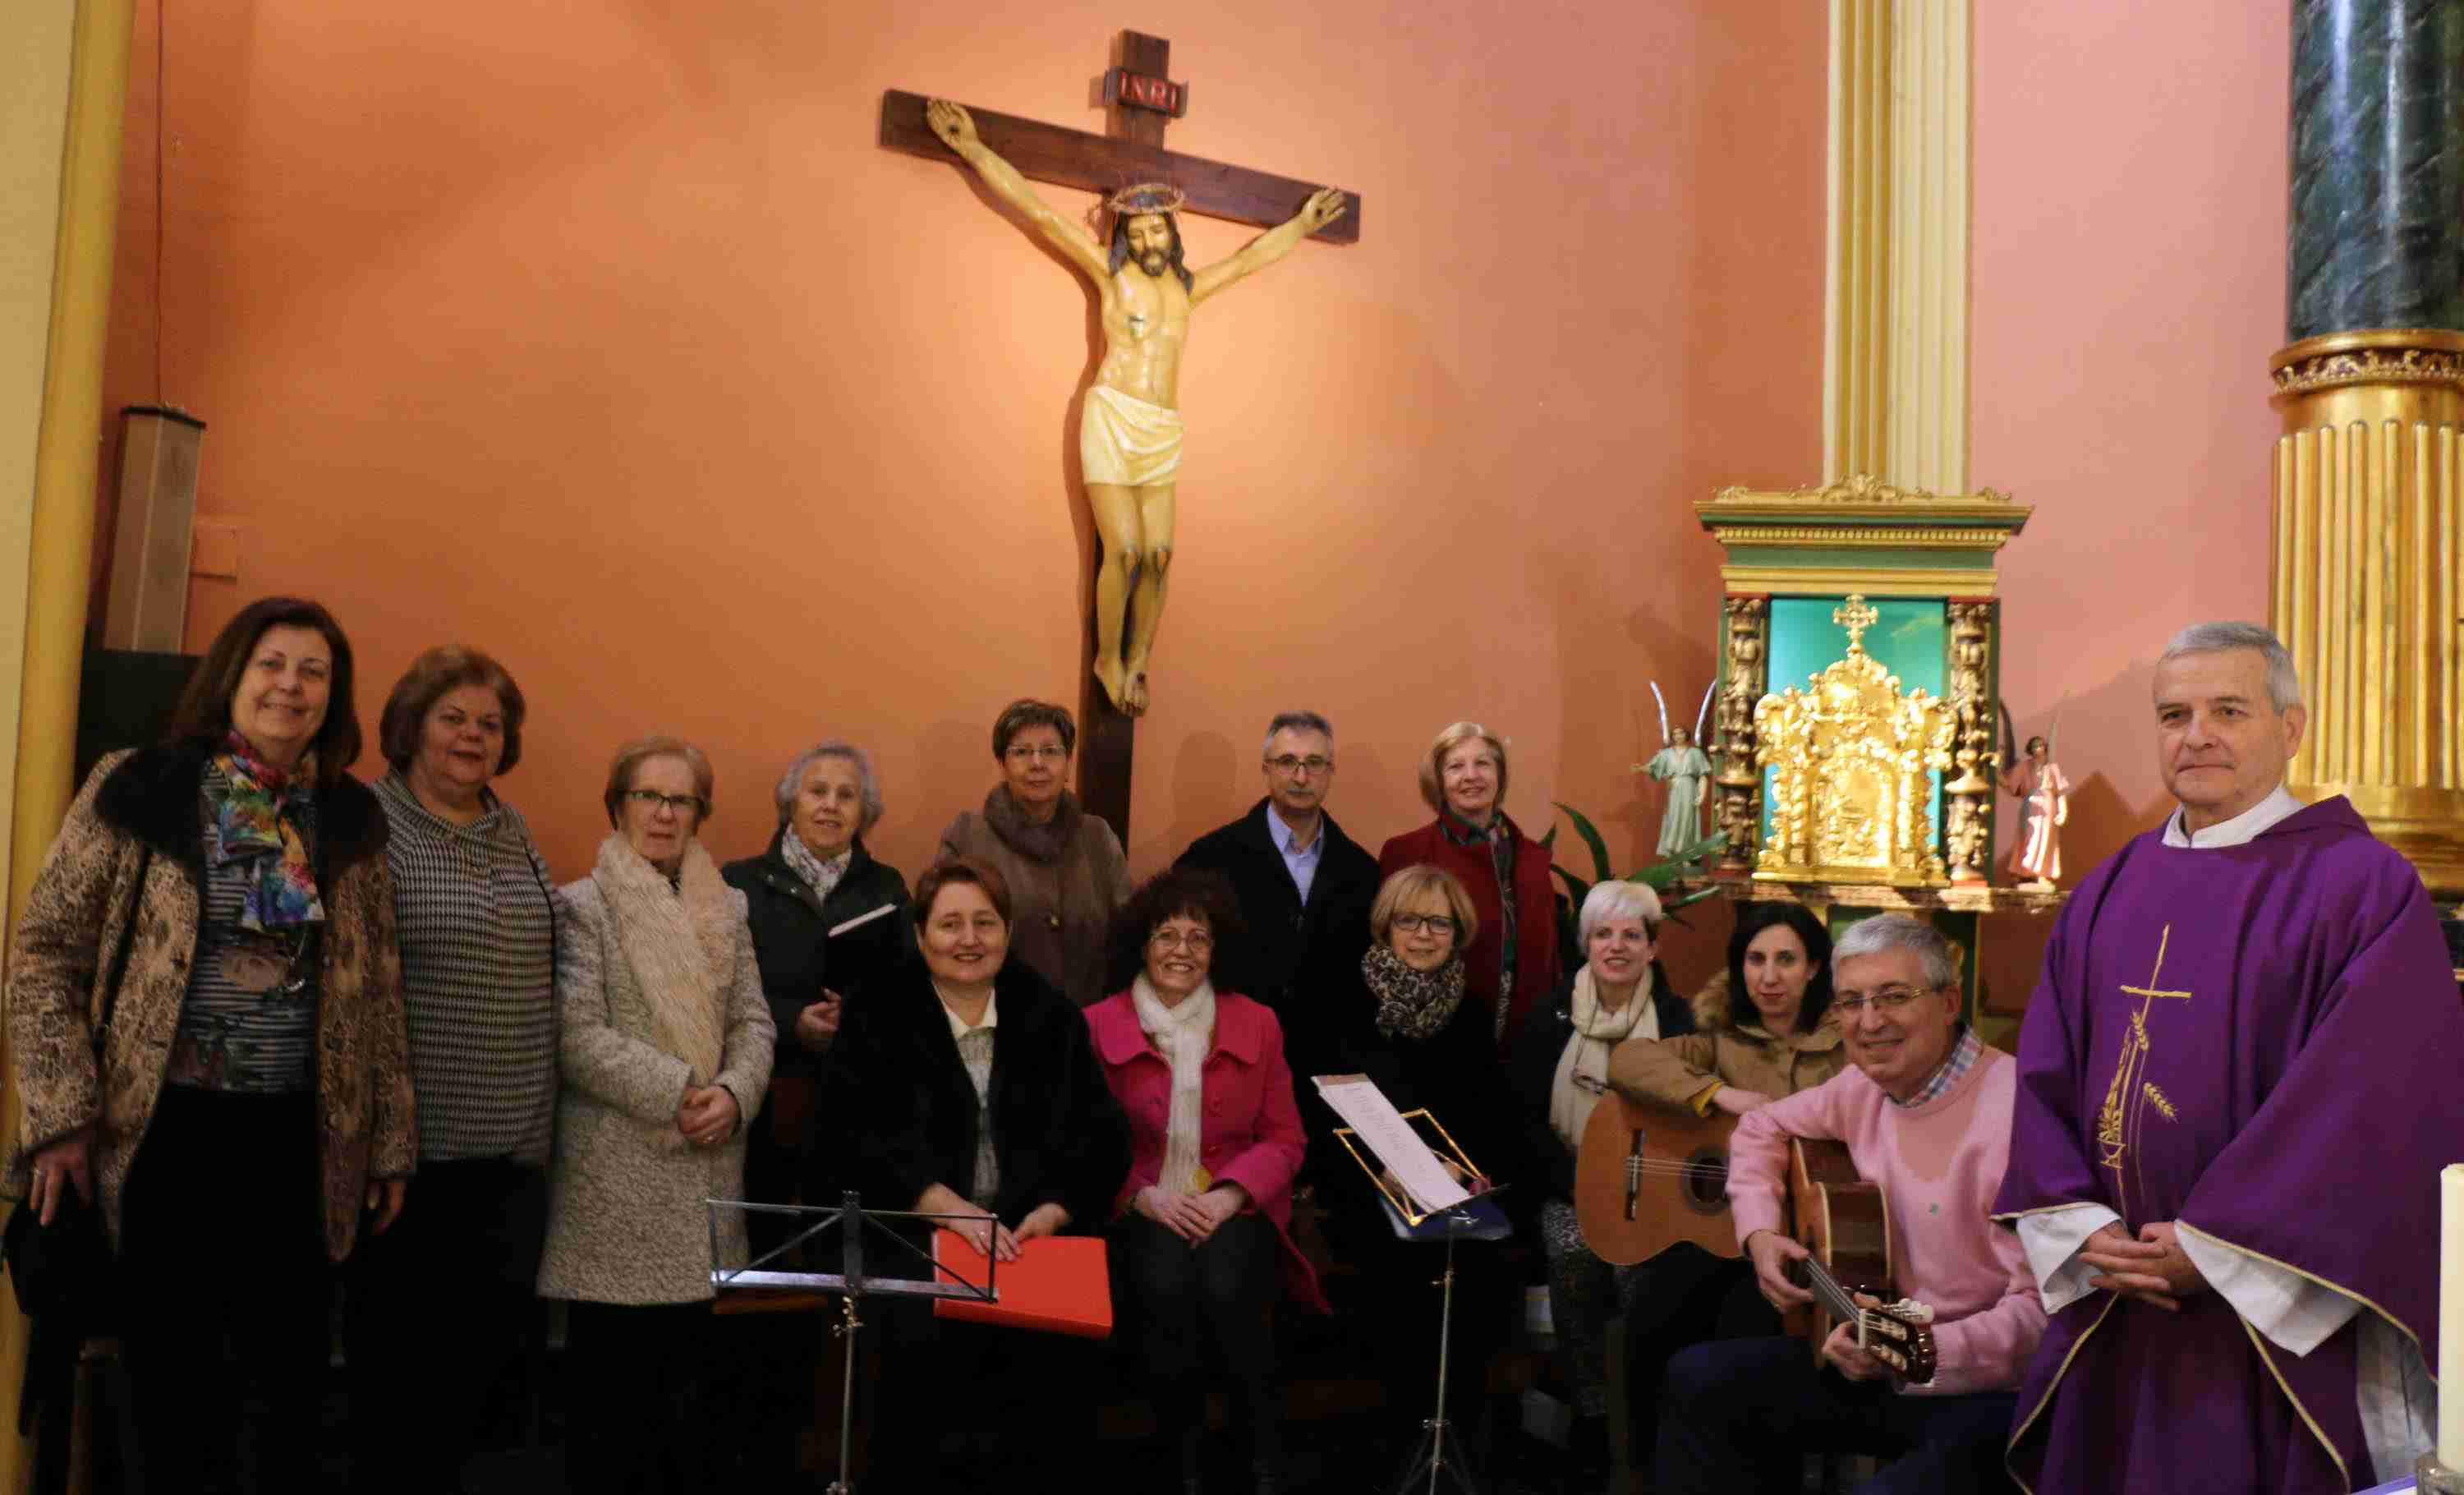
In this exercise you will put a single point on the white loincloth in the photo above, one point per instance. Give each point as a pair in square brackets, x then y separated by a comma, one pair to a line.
[1123, 440]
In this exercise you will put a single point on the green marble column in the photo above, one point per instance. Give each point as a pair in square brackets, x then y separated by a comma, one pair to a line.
[2368, 490]
[2376, 238]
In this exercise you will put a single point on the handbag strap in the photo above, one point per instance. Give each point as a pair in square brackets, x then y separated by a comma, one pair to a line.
[120, 956]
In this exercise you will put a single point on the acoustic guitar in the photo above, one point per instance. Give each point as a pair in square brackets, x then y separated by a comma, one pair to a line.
[1648, 1176]
[1843, 1224]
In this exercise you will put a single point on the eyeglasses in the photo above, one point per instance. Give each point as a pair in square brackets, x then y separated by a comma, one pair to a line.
[1197, 941]
[1886, 1001]
[1036, 755]
[1430, 923]
[1288, 765]
[652, 800]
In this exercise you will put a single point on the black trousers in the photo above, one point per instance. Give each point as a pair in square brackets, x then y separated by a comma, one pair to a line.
[1685, 1297]
[637, 1416]
[1171, 1299]
[224, 1289]
[1742, 1414]
[974, 1407]
[435, 1311]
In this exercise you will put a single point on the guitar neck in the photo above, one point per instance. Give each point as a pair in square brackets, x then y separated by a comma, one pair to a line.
[1835, 1297]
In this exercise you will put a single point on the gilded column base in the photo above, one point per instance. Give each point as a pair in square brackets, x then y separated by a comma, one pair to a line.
[2425, 825]
[2369, 543]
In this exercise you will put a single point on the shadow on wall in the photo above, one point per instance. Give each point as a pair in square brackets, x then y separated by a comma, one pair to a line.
[946, 753]
[1205, 763]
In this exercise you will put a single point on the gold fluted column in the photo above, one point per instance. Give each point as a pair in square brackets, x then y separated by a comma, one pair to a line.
[59, 531]
[1895, 324]
[2364, 589]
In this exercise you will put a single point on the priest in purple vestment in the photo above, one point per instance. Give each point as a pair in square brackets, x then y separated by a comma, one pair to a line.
[2236, 1086]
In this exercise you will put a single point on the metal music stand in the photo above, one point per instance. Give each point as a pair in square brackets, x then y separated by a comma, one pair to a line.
[851, 1281]
[1440, 1452]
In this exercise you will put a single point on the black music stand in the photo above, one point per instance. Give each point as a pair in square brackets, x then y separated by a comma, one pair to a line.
[1440, 1452]
[851, 1281]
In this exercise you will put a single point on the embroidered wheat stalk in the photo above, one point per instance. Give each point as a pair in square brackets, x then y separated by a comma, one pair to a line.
[2157, 1097]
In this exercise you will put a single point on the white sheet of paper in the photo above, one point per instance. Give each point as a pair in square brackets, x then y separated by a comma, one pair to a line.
[884, 912]
[1391, 1139]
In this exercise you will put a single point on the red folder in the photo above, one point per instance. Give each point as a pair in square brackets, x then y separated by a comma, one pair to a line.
[1061, 1284]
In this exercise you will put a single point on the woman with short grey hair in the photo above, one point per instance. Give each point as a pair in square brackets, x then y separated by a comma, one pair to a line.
[1560, 1068]
[829, 922]
[815, 877]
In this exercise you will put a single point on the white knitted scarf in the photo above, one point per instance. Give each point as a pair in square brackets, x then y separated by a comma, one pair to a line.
[680, 942]
[1597, 1031]
[1182, 1035]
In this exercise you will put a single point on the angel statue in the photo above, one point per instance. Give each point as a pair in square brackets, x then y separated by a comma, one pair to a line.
[2036, 856]
[1682, 767]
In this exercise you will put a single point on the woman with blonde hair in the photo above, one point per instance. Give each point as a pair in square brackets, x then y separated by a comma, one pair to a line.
[1511, 962]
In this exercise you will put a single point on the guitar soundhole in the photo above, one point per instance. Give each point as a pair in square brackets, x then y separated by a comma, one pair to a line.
[1706, 1186]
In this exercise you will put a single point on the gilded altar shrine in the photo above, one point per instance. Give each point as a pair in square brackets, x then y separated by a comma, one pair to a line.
[1858, 700]
[1851, 757]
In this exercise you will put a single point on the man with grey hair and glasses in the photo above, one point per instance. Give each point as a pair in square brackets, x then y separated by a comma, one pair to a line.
[2236, 1086]
[1304, 888]
[1924, 1112]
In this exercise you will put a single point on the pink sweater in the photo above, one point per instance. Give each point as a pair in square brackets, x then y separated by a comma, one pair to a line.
[1940, 1165]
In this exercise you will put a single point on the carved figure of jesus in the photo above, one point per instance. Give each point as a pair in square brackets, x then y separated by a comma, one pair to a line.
[1130, 436]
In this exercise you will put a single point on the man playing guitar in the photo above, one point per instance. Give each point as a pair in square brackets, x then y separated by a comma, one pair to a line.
[1925, 1114]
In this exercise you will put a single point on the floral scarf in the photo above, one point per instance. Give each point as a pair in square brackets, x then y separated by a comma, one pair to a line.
[257, 819]
[1413, 1004]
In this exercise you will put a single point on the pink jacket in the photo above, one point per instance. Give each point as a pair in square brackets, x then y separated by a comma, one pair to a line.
[1251, 1131]
[1940, 1166]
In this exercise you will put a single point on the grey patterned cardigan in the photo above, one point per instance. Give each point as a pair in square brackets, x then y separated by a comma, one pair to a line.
[140, 810]
[625, 1217]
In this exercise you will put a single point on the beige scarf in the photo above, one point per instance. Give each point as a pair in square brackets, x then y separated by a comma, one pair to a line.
[1597, 1031]
[680, 941]
[1182, 1035]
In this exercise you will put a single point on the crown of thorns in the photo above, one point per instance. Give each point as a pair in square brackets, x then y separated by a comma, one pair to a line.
[1147, 197]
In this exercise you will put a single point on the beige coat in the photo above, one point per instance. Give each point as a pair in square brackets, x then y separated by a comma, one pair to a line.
[141, 809]
[1682, 1071]
[625, 1217]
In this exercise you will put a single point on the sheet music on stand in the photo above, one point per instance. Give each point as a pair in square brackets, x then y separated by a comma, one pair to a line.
[1428, 1186]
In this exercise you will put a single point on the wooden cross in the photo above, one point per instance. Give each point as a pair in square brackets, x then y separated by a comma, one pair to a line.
[1142, 100]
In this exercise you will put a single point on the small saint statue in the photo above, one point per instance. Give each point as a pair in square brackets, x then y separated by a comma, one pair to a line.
[1129, 433]
[1682, 767]
[2036, 856]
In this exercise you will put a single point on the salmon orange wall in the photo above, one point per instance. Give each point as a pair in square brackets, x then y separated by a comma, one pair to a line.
[2128, 286]
[601, 335]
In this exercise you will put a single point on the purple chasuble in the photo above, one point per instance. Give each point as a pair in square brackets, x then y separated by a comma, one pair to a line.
[2257, 1042]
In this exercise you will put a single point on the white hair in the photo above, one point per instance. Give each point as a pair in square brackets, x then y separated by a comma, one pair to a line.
[1619, 900]
[1885, 932]
[868, 785]
[2283, 681]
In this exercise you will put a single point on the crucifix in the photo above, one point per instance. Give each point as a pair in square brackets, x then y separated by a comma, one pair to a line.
[1130, 432]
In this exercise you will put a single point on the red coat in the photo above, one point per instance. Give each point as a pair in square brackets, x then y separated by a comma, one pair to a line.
[1250, 1134]
[1535, 914]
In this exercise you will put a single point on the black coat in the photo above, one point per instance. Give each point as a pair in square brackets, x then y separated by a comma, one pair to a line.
[1296, 959]
[791, 944]
[1456, 1073]
[1056, 1130]
[1533, 1074]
